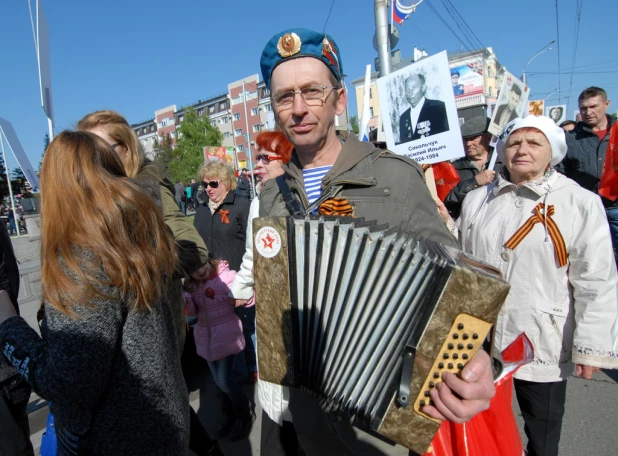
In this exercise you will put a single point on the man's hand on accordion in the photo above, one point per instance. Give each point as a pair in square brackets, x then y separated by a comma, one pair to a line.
[459, 399]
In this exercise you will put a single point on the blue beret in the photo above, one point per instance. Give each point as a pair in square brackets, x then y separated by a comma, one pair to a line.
[293, 43]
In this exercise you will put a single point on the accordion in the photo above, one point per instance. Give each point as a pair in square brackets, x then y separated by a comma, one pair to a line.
[367, 317]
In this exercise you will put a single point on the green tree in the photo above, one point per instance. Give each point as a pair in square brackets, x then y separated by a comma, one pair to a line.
[354, 124]
[163, 152]
[194, 133]
[19, 183]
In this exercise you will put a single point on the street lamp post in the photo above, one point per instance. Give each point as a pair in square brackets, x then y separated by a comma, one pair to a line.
[543, 49]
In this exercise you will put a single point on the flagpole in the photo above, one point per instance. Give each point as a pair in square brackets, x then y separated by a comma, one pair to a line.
[8, 180]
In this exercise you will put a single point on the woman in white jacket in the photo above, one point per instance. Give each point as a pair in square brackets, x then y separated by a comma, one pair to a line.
[273, 151]
[550, 239]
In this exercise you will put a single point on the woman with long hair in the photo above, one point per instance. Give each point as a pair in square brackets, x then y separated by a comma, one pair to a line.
[107, 359]
[192, 252]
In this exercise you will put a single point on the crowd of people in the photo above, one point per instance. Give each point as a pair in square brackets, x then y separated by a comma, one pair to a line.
[122, 277]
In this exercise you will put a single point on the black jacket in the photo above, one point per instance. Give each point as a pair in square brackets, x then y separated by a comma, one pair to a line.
[467, 172]
[225, 233]
[244, 186]
[585, 158]
[433, 112]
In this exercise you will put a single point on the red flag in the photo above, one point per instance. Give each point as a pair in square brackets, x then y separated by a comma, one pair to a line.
[608, 186]
[446, 177]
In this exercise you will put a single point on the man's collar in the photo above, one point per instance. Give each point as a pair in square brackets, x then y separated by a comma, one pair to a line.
[350, 156]
[581, 125]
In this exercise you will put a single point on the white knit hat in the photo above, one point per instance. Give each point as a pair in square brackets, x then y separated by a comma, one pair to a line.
[553, 133]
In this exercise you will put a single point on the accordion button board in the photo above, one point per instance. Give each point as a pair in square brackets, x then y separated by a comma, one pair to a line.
[454, 355]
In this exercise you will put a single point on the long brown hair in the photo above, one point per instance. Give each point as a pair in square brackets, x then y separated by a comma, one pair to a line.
[88, 202]
[121, 132]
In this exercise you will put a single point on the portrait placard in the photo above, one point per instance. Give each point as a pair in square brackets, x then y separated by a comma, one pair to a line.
[512, 103]
[556, 113]
[418, 110]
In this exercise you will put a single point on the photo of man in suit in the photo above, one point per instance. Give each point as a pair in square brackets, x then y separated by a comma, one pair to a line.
[425, 117]
[507, 112]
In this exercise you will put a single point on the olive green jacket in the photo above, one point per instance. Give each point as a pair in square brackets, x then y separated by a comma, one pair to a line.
[379, 185]
[192, 252]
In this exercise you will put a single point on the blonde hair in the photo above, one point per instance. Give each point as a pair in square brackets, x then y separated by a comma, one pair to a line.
[220, 171]
[88, 202]
[121, 132]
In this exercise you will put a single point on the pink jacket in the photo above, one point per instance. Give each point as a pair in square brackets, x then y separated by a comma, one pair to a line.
[218, 332]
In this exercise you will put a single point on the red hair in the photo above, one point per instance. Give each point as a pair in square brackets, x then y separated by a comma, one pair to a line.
[276, 142]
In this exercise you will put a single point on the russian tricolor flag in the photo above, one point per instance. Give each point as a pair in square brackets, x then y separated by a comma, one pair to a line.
[401, 12]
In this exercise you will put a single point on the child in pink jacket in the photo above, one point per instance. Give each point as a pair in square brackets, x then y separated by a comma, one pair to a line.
[218, 339]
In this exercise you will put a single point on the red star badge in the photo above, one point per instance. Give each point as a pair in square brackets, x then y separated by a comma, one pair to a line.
[268, 242]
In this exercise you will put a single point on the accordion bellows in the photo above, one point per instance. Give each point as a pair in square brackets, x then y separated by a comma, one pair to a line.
[364, 317]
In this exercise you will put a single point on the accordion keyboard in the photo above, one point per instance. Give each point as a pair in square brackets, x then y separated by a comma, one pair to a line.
[464, 340]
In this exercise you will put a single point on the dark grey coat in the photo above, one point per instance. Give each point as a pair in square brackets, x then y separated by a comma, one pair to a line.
[585, 158]
[112, 374]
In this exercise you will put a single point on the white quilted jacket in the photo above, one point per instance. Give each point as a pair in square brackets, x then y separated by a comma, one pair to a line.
[569, 313]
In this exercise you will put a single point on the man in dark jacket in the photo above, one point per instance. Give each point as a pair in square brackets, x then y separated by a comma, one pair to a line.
[243, 185]
[14, 391]
[473, 168]
[303, 70]
[587, 147]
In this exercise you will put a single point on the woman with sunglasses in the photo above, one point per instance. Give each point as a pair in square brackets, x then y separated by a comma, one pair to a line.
[221, 220]
[277, 431]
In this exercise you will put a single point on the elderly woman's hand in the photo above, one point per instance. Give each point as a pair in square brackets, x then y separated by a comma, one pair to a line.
[459, 399]
[7, 309]
[444, 215]
[586, 371]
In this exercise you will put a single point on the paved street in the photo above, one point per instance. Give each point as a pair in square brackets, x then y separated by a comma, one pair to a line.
[589, 427]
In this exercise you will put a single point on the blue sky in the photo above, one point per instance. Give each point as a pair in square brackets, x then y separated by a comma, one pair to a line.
[136, 57]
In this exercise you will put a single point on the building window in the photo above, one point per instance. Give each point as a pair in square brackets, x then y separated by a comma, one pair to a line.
[222, 105]
[238, 132]
[137, 132]
[491, 91]
[213, 123]
[255, 111]
[237, 116]
[370, 112]
[181, 118]
[165, 121]
[370, 93]
[268, 107]
[224, 119]
[152, 128]
[251, 95]
[257, 128]
[237, 100]
[266, 91]
[200, 112]
[211, 109]
[173, 134]
[227, 134]
[241, 148]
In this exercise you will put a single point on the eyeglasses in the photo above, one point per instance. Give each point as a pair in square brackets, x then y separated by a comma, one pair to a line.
[310, 93]
[266, 159]
[213, 184]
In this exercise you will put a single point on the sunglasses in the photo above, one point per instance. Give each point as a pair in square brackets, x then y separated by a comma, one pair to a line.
[266, 159]
[213, 184]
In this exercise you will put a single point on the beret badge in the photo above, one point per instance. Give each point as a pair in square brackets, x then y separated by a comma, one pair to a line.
[289, 44]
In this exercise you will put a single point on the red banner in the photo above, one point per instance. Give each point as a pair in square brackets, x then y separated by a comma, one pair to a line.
[609, 178]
